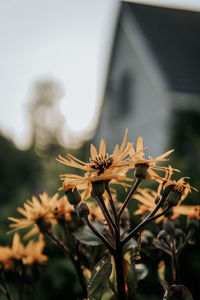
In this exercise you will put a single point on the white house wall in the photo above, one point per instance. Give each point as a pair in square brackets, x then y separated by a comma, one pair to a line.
[149, 111]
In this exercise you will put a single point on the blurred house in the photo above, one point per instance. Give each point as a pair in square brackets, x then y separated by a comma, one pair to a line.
[153, 76]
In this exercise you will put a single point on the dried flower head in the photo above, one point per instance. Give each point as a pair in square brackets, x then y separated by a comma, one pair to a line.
[147, 199]
[168, 187]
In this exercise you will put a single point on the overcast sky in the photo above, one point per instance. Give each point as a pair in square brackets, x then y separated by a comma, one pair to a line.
[66, 40]
[60, 39]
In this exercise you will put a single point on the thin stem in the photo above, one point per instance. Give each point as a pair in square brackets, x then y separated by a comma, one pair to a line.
[118, 258]
[111, 203]
[160, 215]
[107, 216]
[100, 236]
[76, 261]
[175, 268]
[4, 288]
[144, 222]
[162, 247]
[58, 242]
[21, 289]
[128, 198]
[187, 238]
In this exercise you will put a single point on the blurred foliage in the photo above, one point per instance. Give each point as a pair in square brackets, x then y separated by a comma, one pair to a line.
[185, 138]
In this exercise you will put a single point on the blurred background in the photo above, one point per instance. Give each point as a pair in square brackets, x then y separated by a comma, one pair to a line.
[75, 71]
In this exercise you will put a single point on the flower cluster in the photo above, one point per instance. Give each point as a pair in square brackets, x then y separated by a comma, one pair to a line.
[42, 212]
[18, 253]
[112, 167]
[91, 203]
[102, 168]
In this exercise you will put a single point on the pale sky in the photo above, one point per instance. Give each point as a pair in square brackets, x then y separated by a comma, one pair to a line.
[65, 40]
[60, 39]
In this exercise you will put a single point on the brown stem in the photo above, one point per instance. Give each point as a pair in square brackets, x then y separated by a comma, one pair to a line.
[58, 242]
[118, 258]
[148, 219]
[4, 288]
[106, 214]
[128, 198]
[76, 261]
[175, 268]
[187, 238]
[162, 247]
[160, 215]
[21, 289]
[100, 236]
[111, 202]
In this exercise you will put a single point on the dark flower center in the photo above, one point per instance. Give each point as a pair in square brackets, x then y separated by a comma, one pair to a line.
[101, 163]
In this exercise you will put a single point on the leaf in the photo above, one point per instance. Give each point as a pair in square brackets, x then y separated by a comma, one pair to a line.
[86, 236]
[135, 272]
[98, 283]
[131, 280]
[161, 274]
[177, 292]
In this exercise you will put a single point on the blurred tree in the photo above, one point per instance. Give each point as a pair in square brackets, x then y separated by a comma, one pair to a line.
[185, 138]
[20, 175]
[45, 117]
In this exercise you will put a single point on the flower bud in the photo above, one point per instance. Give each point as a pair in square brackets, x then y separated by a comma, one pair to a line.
[98, 188]
[174, 197]
[141, 171]
[83, 210]
[72, 194]
[165, 192]
[178, 233]
[146, 237]
[169, 226]
[162, 235]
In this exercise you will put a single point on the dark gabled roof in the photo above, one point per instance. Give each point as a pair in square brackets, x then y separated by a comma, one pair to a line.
[174, 37]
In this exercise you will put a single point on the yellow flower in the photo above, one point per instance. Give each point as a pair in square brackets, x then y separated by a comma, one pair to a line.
[180, 186]
[100, 162]
[36, 213]
[95, 212]
[146, 165]
[29, 254]
[101, 167]
[33, 252]
[187, 210]
[147, 199]
[63, 209]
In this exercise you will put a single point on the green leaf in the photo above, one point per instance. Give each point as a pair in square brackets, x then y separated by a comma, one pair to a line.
[86, 236]
[136, 272]
[98, 283]
[131, 280]
[177, 292]
[161, 274]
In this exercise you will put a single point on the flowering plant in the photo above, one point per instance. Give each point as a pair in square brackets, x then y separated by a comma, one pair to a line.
[92, 215]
